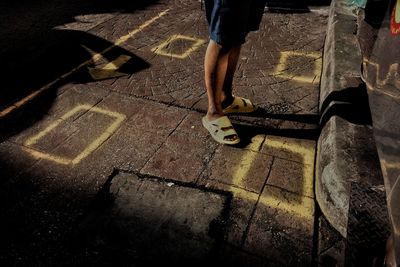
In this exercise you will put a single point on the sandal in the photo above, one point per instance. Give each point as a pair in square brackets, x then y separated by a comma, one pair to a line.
[220, 129]
[240, 105]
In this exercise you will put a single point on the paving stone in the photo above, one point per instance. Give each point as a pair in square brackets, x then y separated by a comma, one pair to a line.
[75, 97]
[128, 149]
[125, 105]
[240, 210]
[240, 168]
[293, 177]
[308, 104]
[182, 157]
[201, 104]
[298, 150]
[282, 228]
[91, 127]
[192, 125]
[51, 140]
[157, 118]
[307, 129]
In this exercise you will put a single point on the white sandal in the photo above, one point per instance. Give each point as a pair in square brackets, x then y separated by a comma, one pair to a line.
[240, 105]
[220, 129]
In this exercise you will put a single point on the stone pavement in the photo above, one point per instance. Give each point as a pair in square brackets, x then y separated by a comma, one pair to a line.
[103, 157]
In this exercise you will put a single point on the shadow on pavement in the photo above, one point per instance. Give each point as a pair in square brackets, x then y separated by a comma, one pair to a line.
[351, 104]
[34, 53]
[36, 219]
[293, 6]
[140, 221]
[247, 132]
[264, 113]
[49, 68]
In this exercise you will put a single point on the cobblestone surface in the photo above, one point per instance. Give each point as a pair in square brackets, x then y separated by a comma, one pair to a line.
[60, 145]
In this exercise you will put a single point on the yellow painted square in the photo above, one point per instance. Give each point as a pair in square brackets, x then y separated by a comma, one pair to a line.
[161, 48]
[88, 150]
[304, 209]
[281, 71]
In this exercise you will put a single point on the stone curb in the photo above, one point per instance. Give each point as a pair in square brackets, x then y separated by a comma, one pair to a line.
[342, 61]
[346, 149]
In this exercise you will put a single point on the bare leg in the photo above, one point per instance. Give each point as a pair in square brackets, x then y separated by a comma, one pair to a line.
[215, 69]
[232, 64]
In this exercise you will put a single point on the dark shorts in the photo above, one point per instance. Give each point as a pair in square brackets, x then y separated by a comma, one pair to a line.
[231, 20]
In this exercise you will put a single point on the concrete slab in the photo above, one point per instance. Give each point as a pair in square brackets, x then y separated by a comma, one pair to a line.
[240, 211]
[153, 220]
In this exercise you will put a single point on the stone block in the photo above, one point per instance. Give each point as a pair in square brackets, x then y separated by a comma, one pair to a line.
[346, 152]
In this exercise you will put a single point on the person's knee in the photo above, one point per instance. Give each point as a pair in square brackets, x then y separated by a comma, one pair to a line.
[221, 47]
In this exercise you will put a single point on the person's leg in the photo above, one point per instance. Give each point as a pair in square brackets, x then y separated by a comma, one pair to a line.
[215, 70]
[227, 96]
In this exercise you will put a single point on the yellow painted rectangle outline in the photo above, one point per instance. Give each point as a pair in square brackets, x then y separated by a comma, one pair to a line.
[89, 149]
[280, 69]
[305, 209]
[160, 50]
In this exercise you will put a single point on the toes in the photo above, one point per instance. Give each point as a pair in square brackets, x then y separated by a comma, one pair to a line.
[231, 137]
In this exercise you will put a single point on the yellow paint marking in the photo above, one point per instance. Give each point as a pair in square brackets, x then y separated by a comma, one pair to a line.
[110, 69]
[392, 191]
[161, 48]
[89, 149]
[308, 161]
[392, 75]
[281, 71]
[390, 165]
[305, 209]
[94, 58]
[247, 161]
[244, 194]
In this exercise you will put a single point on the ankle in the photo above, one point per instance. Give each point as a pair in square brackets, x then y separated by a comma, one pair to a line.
[214, 114]
[228, 100]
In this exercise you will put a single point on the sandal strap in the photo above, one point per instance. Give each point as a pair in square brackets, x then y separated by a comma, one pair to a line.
[230, 132]
[222, 122]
